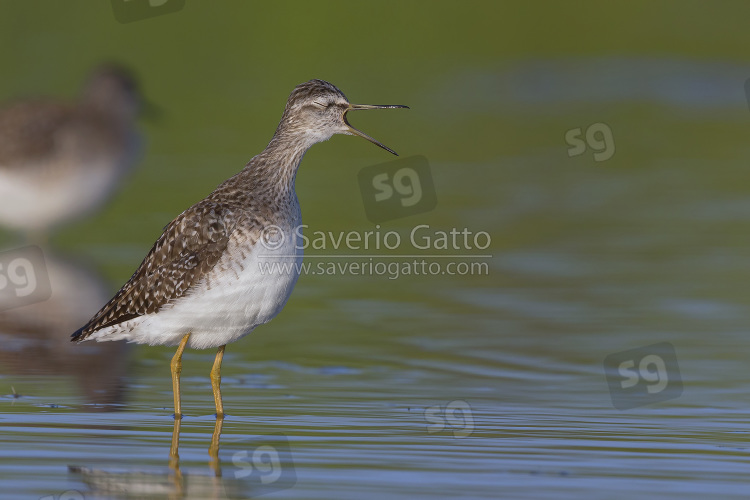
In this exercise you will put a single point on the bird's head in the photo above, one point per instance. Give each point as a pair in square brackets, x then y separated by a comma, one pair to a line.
[113, 88]
[318, 110]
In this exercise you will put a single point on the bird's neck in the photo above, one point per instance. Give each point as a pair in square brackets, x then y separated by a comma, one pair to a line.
[273, 172]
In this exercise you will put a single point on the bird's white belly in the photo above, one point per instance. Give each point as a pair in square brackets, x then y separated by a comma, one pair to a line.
[38, 200]
[250, 292]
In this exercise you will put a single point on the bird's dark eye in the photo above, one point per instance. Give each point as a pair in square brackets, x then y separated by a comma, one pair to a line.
[320, 104]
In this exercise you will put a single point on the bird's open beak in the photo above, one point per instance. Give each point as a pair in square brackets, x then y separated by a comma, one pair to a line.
[354, 131]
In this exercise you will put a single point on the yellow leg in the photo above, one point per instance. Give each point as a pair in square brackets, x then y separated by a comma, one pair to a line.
[176, 366]
[216, 382]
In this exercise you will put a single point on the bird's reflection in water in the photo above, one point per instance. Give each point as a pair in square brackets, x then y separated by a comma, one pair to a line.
[213, 451]
[213, 461]
[35, 338]
[170, 483]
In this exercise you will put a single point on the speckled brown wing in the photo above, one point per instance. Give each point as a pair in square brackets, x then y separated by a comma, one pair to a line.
[27, 131]
[189, 248]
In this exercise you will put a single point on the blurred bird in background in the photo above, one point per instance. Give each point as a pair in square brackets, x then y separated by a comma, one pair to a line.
[60, 161]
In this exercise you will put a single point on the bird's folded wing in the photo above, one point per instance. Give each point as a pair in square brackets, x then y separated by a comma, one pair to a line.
[189, 248]
[27, 131]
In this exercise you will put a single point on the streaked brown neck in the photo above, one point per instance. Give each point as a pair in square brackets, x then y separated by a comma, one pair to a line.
[266, 184]
[275, 169]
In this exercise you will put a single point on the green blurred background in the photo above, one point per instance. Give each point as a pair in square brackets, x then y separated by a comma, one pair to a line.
[493, 88]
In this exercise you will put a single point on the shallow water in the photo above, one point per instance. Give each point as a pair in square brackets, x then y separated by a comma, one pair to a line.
[351, 386]
[509, 383]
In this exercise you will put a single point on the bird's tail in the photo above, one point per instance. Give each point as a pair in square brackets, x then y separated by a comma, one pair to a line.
[78, 336]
